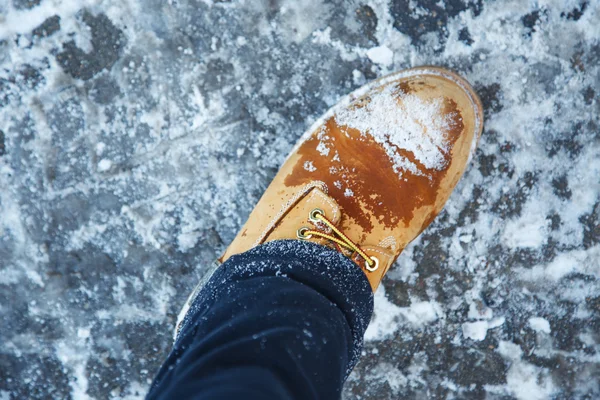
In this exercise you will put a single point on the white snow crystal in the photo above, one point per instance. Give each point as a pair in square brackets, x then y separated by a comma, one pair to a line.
[478, 330]
[323, 149]
[100, 146]
[381, 55]
[358, 78]
[475, 330]
[308, 165]
[104, 165]
[466, 238]
[83, 333]
[539, 324]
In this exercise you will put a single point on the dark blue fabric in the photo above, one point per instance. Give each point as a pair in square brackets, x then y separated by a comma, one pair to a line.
[284, 320]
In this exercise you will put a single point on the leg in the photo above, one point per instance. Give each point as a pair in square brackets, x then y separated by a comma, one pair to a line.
[284, 320]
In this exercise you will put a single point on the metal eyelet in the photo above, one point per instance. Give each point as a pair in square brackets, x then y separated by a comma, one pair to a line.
[312, 216]
[301, 233]
[374, 267]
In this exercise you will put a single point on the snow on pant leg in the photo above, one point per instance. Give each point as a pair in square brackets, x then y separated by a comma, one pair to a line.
[284, 320]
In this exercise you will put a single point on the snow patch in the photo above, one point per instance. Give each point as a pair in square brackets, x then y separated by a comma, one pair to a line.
[402, 121]
[381, 55]
[478, 330]
[323, 149]
[309, 166]
[539, 324]
[104, 165]
[388, 317]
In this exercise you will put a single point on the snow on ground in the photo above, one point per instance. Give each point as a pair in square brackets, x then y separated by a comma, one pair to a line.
[136, 136]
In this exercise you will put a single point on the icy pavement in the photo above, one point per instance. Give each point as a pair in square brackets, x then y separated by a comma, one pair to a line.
[136, 135]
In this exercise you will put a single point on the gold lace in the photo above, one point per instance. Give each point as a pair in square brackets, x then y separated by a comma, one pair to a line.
[316, 217]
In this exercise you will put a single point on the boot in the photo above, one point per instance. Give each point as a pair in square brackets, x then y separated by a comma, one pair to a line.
[371, 174]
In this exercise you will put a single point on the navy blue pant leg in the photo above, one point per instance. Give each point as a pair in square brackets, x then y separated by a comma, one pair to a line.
[284, 320]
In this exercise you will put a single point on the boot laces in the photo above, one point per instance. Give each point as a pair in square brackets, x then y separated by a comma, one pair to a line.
[318, 219]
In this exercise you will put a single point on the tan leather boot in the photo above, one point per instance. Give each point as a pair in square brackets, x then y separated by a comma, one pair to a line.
[374, 172]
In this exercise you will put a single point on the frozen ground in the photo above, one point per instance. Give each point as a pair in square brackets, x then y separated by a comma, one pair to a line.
[136, 135]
